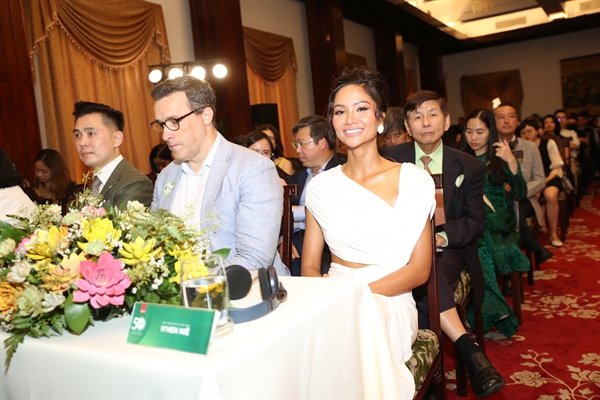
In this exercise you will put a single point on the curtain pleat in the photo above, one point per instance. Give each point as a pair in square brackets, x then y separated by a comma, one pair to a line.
[97, 51]
[271, 69]
[478, 91]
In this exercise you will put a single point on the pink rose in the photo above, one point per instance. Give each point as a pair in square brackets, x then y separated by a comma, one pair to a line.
[103, 282]
[98, 212]
[21, 248]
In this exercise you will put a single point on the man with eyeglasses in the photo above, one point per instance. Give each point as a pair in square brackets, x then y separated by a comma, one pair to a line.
[574, 143]
[98, 135]
[215, 183]
[315, 144]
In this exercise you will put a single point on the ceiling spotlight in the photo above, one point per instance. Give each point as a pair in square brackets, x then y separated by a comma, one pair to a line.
[175, 73]
[220, 70]
[155, 75]
[198, 72]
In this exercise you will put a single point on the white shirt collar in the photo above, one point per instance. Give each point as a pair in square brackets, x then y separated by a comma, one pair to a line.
[209, 158]
[105, 172]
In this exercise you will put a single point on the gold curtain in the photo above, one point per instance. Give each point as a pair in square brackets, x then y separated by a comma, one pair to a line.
[97, 51]
[478, 91]
[271, 68]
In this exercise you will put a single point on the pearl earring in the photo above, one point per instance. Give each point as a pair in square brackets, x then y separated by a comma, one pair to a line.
[380, 129]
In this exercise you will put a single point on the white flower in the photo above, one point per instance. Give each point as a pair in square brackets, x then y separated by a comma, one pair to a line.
[6, 247]
[459, 180]
[54, 209]
[19, 272]
[135, 206]
[51, 301]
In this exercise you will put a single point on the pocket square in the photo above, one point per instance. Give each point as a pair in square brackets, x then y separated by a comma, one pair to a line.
[168, 188]
[459, 180]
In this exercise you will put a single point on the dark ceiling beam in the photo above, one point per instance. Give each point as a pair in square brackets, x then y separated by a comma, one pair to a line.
[551, 6]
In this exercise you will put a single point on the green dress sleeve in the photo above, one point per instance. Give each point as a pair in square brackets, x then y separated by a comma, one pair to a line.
[516, 182]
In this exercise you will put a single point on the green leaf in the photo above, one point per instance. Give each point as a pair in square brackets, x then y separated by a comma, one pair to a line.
[77, 315]
[224, 253]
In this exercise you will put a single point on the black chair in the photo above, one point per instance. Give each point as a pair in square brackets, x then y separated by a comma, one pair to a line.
[287, 224]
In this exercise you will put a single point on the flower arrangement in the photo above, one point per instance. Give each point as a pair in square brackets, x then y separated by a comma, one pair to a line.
[62, 273]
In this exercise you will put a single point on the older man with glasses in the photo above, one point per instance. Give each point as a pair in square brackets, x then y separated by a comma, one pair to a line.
[315, 144]
[215, 183]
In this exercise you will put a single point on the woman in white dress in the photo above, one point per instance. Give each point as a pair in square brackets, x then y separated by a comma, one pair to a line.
[373, 213]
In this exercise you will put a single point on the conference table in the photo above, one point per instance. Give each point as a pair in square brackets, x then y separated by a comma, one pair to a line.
[324, 341]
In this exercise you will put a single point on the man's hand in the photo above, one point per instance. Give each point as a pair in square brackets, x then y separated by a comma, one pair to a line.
[294, 253]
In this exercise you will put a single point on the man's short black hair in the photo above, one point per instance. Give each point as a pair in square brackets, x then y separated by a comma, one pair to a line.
[319, 129]
[110, 117]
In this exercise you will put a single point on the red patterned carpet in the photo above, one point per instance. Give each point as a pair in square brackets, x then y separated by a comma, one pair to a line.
[556, 352]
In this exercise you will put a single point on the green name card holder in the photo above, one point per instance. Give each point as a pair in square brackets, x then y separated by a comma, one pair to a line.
[172, 327]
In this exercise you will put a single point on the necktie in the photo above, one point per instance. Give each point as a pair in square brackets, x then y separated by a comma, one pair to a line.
[96, 182]
[440, 216]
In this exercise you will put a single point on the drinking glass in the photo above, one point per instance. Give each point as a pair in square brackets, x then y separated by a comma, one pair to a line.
[204, 285]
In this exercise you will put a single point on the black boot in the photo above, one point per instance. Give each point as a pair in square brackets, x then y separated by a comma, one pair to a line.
[485, 380]
[543, 254]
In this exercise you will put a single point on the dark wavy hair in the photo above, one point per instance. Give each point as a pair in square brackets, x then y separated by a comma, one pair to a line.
[256, 136]
[496, 166]
[370, 81]
[556, 124]
[161, 151]
[278, 148]
[61, 179]
[9, 176]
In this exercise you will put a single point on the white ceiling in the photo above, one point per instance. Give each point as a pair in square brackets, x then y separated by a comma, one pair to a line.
[475, 18]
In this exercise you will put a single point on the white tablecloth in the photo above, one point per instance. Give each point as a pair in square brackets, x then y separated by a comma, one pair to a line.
[324, 341]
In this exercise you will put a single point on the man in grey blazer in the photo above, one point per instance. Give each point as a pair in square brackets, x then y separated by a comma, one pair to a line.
[213, 182]
[98, 134]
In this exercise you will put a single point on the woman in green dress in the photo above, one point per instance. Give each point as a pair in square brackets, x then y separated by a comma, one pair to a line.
[498, 249]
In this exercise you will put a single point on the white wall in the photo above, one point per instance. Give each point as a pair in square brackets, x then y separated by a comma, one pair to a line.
[538, 61]
[359, 40]
[285, 18]
[179, 29]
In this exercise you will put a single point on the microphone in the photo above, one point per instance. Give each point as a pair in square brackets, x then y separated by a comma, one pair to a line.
[239, 280]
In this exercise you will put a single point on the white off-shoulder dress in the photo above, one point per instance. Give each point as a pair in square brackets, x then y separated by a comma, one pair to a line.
[360, 227]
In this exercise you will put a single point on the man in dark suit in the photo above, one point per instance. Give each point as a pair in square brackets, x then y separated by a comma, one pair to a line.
[460, 221]
[315, 146]
[98, 134]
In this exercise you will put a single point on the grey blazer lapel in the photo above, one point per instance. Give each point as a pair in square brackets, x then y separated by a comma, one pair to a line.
[218, 169]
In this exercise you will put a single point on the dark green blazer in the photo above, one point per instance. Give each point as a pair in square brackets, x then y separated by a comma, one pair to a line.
[127, 183]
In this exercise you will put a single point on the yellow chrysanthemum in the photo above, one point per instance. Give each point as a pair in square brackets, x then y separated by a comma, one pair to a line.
[9, 294]
[45, 244]
[139, 251]
[99, 230]
[59, 277]
[192, 268]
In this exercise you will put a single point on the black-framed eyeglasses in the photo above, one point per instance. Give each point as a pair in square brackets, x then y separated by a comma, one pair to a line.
[172, 124]
[301, 144]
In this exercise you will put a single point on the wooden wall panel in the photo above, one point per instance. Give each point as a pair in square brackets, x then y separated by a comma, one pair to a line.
[217, 32]
[389, 53]
[327, 49]
[19, 128]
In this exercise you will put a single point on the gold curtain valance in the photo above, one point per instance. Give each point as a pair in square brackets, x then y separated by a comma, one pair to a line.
[91, 25]
[269, 55]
